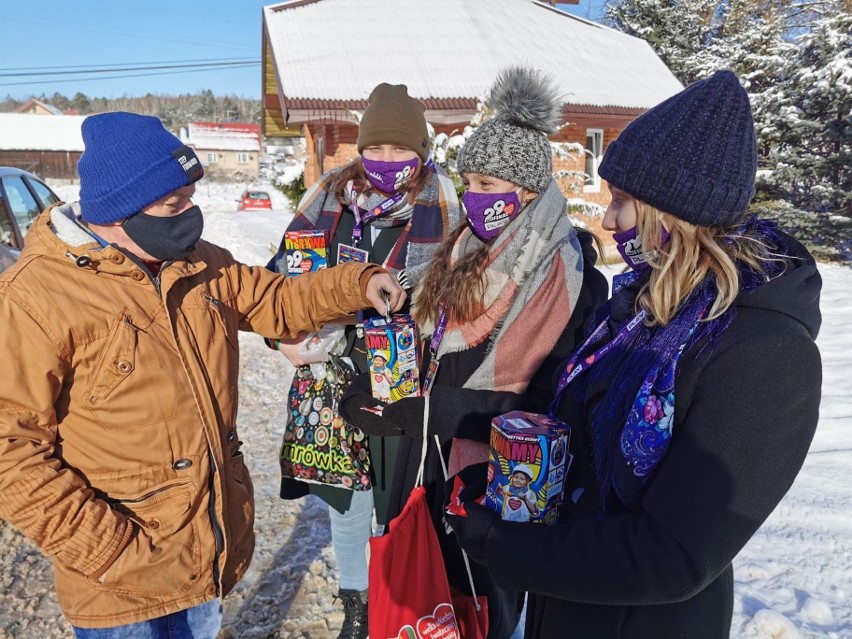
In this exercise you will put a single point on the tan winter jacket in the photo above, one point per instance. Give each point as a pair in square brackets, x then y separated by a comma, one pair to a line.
[119, 451]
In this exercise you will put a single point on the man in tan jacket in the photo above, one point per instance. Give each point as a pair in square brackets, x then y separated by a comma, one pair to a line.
[119, 451]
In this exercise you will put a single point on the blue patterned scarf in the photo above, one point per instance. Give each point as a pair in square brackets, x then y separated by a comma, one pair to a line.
[635, 417]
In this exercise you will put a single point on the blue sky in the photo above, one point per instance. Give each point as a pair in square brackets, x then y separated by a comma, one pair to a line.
[64, 35]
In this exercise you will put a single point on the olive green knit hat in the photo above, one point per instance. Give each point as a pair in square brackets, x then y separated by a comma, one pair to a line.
[394, 117]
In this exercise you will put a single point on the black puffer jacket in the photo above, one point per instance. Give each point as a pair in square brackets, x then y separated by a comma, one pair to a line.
[744, 417]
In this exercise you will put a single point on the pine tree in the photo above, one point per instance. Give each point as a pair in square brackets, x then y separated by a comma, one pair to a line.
[750, 42]
[812, 154]
[678, 30]
[81, 102]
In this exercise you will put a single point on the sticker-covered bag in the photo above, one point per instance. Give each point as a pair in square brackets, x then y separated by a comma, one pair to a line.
[319, 447]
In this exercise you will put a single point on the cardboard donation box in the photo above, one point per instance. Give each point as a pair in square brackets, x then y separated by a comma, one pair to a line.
[393, 350]
[306, 251]
[528, 463]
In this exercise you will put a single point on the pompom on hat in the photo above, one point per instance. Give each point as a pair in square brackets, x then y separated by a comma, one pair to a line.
[693, 156]
[129, 162]
[394, 117]
[513, 144]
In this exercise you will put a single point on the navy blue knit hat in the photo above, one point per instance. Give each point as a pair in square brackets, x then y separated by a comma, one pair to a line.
[693, 156]
[130, 161]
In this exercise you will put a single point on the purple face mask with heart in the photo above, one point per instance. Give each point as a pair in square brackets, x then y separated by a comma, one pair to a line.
[630, 247]
[389, 176]
[488, 213]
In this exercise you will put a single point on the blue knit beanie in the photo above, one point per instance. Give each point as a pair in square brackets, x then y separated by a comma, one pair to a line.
[693, 156]
[130, 161]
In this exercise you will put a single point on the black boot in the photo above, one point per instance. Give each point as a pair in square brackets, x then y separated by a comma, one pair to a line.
[355, 614]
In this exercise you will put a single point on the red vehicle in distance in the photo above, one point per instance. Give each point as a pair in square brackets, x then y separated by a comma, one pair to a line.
[254, 201]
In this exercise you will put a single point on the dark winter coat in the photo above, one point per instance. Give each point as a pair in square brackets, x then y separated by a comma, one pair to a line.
[745, 414]
[455, 411]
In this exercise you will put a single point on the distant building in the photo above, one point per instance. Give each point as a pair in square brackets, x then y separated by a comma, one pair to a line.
[48, 147]
[321, 58]
[228, 150]
[38, 107]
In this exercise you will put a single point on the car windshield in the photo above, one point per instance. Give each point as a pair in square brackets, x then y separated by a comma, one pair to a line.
[257, 195]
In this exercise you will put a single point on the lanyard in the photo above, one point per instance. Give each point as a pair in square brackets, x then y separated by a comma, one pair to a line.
[577, 364]
[438, 334]
[377, 211]
[434, 345]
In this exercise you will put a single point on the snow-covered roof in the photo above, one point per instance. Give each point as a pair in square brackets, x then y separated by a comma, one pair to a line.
[28, 132]
[26, 106]
[222, 136]
[333, 50]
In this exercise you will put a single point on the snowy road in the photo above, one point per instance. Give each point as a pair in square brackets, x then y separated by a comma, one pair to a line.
[794, 579]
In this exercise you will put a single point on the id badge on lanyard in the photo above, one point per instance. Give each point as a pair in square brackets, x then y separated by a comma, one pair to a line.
[434, 361]
[347, 253]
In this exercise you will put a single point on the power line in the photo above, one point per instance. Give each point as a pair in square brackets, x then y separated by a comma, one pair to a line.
[121, 77]
[220, 65]
[127, 64]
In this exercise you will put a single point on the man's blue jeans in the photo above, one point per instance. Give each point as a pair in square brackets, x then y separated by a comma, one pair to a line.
[200, 622]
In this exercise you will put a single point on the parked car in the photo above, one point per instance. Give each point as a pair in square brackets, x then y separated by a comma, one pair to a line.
[23, 196]
[254, 201]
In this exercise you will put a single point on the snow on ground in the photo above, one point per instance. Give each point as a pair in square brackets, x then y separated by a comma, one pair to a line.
[793, 579]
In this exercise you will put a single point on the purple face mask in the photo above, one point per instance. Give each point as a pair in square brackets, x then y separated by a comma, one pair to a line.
[630, 247]
[389, 176]
[488, 213]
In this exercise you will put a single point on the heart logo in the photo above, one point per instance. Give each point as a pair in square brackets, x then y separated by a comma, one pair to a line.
[441, 624]
[514, 503]
[509, 208]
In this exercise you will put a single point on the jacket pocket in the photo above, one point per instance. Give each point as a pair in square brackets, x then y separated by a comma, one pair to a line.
[127, 388]
[163, 557]
[116, 362]
[220, 318]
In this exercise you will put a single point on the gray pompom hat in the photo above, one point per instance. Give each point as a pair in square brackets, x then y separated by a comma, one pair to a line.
[513, 145]
[693, 156]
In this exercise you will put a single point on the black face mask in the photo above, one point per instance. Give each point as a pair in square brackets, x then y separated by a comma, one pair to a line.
[166, 238]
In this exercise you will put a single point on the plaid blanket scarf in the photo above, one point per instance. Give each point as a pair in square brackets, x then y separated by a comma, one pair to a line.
[427, 217]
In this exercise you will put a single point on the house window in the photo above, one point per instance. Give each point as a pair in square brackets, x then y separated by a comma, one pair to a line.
[212, 158]
[594, 155]
[243, 158]
[319, 144]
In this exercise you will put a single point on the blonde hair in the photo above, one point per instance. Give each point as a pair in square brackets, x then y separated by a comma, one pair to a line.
[690, 255]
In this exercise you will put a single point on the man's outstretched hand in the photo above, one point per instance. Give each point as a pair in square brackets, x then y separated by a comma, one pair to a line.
[384, 286]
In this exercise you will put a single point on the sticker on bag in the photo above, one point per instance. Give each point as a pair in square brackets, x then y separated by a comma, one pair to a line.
[441, 624]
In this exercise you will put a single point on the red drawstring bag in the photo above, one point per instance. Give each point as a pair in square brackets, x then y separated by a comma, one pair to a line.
[409, 593]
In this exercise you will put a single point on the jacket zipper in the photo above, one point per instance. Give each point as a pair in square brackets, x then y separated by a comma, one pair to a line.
[211, 508]
[217, 530]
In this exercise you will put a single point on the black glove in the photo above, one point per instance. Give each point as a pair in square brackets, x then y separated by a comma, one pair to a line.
[475, 480]
[407, 415]
[472, 531]
[350, 408]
